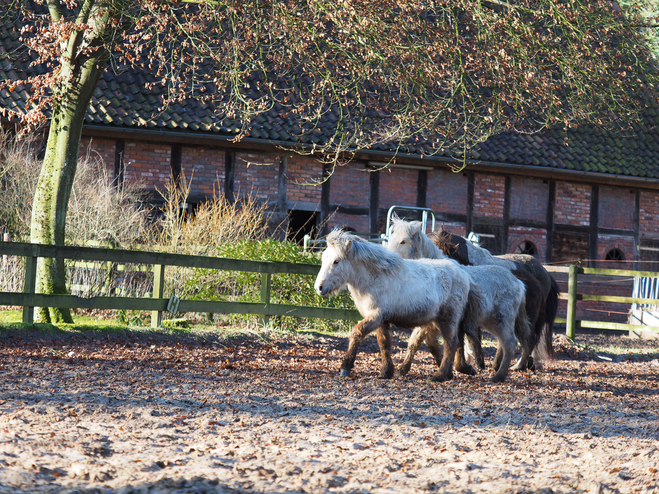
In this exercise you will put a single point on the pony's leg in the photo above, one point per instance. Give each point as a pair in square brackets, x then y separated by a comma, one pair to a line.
[507, 343]
[461, 365]
[413, 345]
[526, 337]
[524, 360]
[478, 350]
[497, 358]
[358, 333]
[383, 334]
[449, 331]
[475, 348]
[435, 349]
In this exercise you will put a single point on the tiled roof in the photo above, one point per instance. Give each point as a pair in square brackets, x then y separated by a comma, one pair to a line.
[123, 100]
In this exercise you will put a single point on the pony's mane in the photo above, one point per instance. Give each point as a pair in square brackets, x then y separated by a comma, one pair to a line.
[373, 256]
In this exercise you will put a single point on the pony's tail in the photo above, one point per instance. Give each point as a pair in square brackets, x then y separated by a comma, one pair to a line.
[469, 325]
[551, 309]
[523, 329]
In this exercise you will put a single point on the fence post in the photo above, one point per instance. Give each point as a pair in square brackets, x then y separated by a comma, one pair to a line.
[266, 282]
[29, 286]
[158, 292]
[571, 318]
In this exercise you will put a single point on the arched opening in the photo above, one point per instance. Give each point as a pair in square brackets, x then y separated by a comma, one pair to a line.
[527, 247]
[615, 254]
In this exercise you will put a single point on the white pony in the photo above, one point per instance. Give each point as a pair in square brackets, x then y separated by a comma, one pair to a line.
[502, 308]
[389, 290]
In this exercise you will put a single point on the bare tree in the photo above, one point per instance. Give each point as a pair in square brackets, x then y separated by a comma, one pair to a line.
[439, 76]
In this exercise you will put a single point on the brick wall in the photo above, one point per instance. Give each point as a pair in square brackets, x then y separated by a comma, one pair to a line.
[649, 213]
[454, 227]
[100, 149]
[624, 243]
[572, 204]
[358, 222]
[148, 163]
[257, 174]
[398, 187]
[616, 208]
[447, 191]
[528, 199]
[489, 195]
[203, 168]
[538, 236]
[349, 186]
[303, 180]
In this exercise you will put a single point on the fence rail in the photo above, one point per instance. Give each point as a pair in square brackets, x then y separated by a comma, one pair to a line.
[572, 296]
[157, 304]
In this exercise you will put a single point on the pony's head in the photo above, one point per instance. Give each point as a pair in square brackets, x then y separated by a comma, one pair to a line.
[407, 239]
[344, 255]
[334, 273]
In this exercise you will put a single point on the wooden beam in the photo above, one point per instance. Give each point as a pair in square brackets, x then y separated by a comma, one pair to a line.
[325, 198]
[374, 200]
[422, 189]
[551, 206]
[119, 163]
[282, 204]
[593, 234]
[229, 175]
[504, 246]
[469, 223]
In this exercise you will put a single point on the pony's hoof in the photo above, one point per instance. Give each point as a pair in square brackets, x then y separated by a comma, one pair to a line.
[387, 374]
[498, 379]
[344, 373]
[403, 371]
[466, 369]
[440, 378]
[531, 364]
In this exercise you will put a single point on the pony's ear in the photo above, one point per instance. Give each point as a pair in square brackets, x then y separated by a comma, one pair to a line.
[416, 235]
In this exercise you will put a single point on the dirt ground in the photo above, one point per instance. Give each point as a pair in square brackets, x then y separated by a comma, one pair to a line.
[147, 412]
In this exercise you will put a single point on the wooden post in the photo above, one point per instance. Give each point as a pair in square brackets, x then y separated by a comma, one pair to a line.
[29, 286]
[266, 282]
[571, 318]
[158, 292]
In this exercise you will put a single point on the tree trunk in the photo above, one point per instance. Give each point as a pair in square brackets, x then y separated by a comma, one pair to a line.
[70, 102]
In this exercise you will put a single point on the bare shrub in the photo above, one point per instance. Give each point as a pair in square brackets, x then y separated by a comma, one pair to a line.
[102, 213]
[216, 222]
[99, 214]
[19, 172]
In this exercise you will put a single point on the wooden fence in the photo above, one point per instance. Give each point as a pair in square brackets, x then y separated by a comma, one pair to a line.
[28, 299]
[573, 295]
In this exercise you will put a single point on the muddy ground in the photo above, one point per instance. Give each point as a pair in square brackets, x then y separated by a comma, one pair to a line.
[266, 412]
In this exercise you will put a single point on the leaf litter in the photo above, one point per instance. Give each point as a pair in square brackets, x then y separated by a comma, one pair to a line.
[165, 413]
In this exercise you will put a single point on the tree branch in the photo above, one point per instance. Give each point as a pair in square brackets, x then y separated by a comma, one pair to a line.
[55, 10]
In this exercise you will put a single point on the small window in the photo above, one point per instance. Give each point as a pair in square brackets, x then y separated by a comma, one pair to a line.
[526, 247]
[615, 255]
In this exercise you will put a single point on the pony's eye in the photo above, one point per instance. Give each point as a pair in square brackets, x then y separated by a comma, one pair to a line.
[336, 261]
[402, 242]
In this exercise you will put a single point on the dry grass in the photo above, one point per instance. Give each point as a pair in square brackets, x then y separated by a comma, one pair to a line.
[216, 222]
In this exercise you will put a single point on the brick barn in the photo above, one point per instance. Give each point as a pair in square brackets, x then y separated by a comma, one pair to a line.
[563, 197]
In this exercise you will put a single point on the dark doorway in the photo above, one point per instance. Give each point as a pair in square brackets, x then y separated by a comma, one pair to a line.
[301, 223]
